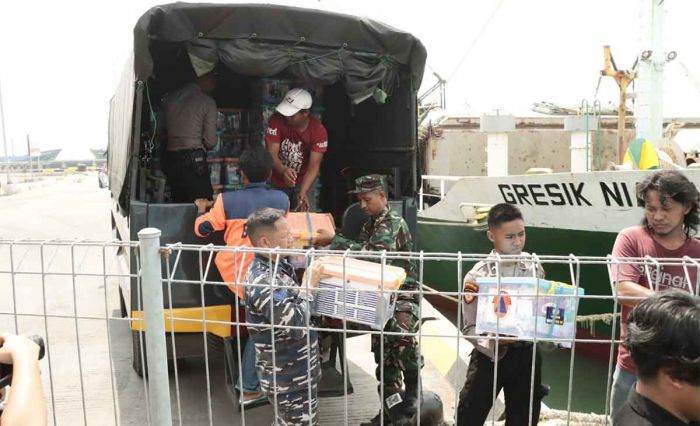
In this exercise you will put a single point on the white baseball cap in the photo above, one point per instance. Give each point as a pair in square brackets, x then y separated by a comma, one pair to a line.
[294, 101]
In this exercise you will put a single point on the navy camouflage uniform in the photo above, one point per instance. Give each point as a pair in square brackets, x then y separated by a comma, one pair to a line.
[389, 231]
[289, 371]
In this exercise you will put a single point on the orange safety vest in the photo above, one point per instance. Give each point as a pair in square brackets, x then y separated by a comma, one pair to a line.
[232, 266]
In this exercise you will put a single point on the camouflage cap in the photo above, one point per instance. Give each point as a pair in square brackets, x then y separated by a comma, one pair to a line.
[369, 183]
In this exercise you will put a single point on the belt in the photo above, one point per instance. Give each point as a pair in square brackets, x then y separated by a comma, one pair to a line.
[184, 151]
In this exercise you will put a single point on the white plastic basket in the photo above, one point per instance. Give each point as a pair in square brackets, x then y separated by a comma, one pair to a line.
[372, 308]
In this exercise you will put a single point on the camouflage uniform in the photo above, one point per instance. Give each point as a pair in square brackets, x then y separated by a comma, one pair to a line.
[295, 368]
[388, 231]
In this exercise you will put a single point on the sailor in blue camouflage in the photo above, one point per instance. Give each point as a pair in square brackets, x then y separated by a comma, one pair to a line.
[387, 230]
[288, 364]
[287, 359]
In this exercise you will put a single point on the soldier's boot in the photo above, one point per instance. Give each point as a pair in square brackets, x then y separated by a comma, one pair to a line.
[376, 421]
[412, 395]
[406, 412]
[392, 407]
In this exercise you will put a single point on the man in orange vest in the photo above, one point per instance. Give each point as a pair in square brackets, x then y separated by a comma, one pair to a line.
[229, 214]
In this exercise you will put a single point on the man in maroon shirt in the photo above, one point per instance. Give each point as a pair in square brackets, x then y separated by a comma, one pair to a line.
[297, 143]
[671, 219]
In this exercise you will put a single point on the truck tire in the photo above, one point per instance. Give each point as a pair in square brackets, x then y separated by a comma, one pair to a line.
[136, 362]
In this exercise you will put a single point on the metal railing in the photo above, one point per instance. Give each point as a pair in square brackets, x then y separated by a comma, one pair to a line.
[425, 187]
[67, 291]
[59, 290]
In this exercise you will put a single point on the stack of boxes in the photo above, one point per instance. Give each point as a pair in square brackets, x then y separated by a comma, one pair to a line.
[237, 129]
[267, 94]
[157, 189]
[232, 127]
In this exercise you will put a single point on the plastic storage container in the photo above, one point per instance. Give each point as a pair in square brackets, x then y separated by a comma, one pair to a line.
[518, 309]
[367, 296]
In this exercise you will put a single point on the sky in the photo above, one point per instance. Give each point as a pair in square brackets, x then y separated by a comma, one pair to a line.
[60, 61]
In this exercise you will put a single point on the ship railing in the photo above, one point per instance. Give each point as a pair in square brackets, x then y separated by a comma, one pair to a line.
[68, 292]
[427, 190]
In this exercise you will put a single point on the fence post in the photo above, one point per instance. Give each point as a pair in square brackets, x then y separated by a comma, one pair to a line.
[156, 351]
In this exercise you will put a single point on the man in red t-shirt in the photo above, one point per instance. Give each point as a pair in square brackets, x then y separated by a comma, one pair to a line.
[297, 143]
[670, 222]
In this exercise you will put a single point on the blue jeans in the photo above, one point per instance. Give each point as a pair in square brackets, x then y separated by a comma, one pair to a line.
[622, 382]
[249, 376]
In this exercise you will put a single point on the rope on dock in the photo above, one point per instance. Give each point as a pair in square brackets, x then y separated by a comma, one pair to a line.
[562, 417]
[589, 321]
[439, 293]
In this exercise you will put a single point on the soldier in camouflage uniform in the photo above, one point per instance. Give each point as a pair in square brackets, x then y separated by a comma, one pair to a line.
[386, 230]
[288, 361]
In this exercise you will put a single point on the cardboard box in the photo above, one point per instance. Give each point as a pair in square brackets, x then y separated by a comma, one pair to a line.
[305, 227]
[519, 310]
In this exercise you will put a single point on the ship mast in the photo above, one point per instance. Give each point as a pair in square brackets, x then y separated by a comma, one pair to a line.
[648, 70]
[623, 78]
[649, 105]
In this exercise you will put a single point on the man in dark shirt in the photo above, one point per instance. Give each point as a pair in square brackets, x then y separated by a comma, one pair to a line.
[663, 337]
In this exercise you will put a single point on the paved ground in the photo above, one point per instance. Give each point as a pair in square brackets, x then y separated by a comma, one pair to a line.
[90, 379]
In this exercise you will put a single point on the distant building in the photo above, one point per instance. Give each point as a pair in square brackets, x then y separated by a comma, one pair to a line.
[60, 158]
[45, 156]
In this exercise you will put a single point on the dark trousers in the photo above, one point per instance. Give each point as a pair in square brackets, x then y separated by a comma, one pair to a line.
[514, 375]
[293, 195]
[188, 175]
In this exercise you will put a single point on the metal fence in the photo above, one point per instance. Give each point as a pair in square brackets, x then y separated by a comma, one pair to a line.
[68, 292]
[60, 290]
